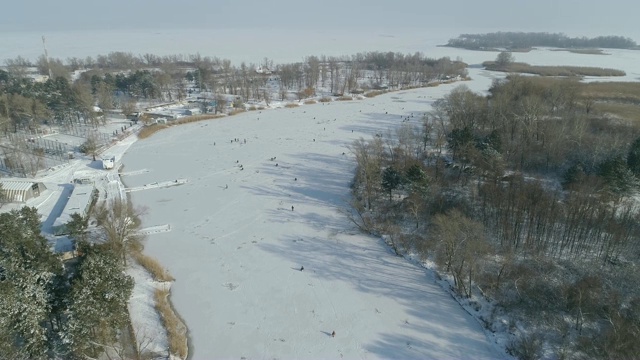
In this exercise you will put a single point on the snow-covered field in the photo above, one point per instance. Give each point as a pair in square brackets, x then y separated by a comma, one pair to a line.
[243, 225]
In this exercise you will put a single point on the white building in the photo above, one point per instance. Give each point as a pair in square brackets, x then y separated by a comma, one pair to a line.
[79, 202]
[21, 190]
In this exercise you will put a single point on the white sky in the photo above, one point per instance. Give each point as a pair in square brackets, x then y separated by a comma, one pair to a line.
[574, 17]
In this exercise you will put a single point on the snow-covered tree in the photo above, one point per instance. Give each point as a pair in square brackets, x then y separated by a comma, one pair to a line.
[98, 300]
[618, 177]
[77, 227]
[28, 270]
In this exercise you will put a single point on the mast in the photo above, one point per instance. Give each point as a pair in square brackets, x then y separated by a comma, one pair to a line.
[46, 57]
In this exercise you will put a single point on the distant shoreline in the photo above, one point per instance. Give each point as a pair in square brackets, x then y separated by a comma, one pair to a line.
[525, 41]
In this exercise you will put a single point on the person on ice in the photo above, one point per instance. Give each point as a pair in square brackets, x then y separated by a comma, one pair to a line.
[291, 207]
[301, 268]
[333, 334]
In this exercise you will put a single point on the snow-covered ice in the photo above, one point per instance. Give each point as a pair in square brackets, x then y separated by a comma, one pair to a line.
[236, 246]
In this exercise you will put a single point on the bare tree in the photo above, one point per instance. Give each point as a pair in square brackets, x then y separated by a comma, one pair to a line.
[461, 242]
[221, 103]
[369, 156]
[22, 159]
[120, 222]
[90, 146]
[505, 58]
[105, 96]
[128, 107]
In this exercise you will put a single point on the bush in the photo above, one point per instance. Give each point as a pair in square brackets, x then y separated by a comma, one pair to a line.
[518, 67]
[325, 99]
[374, 93]
[306, 93]
[176, 330]
[291, 105]
[236, 111]
[310, 102]
[153, 267]
[344, 98]
[147, 131]
[526, 347]
[195, 118]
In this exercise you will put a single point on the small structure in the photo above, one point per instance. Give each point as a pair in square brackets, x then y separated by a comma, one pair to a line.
[108, 162]
[192, 111]
[79, 202]
[20, 190]
[263, 70]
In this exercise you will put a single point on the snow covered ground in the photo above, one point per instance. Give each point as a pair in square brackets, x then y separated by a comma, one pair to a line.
[243, 225]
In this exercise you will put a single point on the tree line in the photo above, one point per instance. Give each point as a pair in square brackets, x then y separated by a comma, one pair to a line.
[525, 196]
[117, 80]
[525, 40]
[73, 309]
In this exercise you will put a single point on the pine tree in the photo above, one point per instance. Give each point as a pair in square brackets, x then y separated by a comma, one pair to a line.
[28, 272]
[574, 175]
[77, 227]
[3, 196]
[417, 179]
[98, 302]
[633, 158]
[618, 177]
[391, 180]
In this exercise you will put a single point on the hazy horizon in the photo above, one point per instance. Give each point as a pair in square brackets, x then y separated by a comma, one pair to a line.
[575, 18]
[285, 30]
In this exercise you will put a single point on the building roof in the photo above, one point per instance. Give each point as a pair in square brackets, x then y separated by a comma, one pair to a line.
[16, 185]
[78, 203]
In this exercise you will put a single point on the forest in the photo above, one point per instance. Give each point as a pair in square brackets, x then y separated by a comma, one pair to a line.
[525, 198]
[527, 40]
[73, 309]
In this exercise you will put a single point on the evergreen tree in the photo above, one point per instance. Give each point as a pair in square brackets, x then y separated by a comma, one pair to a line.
[494, 140]
[633, 158]
[391, 180]
[29, 269]
[98, 302]
[3, 196]
[618, 177]
[77, 227]
[574, 175]
[460, 139]
[417, 178]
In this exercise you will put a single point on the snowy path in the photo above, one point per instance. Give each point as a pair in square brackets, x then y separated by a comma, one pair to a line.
[236, 247]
